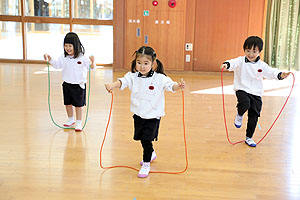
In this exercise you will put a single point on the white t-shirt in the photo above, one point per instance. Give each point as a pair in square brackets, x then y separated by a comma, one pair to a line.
[248, 76]
[147, 93]
[74, 70]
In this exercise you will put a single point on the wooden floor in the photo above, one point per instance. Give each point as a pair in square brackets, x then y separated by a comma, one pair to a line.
[40, 161]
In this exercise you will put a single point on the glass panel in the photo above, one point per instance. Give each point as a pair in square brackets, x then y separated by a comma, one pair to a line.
[45, 38]
[47, 8]
[97, 41]
[10, 7]
[93, 9]
[10, 36]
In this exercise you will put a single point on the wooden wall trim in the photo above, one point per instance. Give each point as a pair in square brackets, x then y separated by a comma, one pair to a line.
[92, 21]
[38, 62]
[190, 12]
[23, 31]
[10, 18]
[71, 15]
[119, 34]
[50, 20]
[55, 20]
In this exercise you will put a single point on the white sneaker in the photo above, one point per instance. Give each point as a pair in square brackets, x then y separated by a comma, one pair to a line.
[153, 157]
[144, 171]
[69, 122]
[238, 121]
[250, 142]
[78, 126]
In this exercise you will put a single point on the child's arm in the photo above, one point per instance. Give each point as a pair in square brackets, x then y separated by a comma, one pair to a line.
[232, 64]
[57, 64]
[92, 59]
[110, 86]
[179, 85]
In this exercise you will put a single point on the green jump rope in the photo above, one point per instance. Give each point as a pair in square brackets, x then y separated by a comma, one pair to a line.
[87, 107]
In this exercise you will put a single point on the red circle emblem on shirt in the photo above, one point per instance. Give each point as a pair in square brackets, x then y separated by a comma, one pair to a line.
[151, 87]
[79, 62]
[259, 70]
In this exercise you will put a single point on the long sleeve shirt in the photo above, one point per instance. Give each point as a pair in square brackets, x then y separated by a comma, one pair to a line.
[248, 76]
[147, 93]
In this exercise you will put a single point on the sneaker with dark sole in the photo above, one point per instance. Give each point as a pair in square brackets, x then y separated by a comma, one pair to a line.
[250, 142]
[238, 121]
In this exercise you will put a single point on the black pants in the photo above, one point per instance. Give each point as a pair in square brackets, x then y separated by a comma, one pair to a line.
[146, 130]
[252, 104]
[148, 149]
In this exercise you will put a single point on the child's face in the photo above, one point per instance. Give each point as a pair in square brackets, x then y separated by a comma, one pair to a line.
[143, 64]
[252, 53]
[69, 49]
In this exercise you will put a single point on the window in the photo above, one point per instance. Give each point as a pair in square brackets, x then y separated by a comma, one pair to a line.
[93, 9]
[10, 7]
[47, 8]
[49, 40]
[10, 36]
[97, 41]
[42, 25]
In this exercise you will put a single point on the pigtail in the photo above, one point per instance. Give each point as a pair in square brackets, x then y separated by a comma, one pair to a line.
[160, 67]
[133, 64]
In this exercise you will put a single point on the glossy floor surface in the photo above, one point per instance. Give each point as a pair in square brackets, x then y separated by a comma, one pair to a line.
[41, 161]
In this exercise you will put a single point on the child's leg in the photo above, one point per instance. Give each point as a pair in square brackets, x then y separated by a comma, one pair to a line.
[78, 126]
[70, 121]
[78, 113]
[147, 150]
[69, 109]
[252, 122]
[243, 102]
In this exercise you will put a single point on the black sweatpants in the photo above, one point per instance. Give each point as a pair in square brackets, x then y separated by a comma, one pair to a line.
[148, 149]
[252, 104]
[146, 130]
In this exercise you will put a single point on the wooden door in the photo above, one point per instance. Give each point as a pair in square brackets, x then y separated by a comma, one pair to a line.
[134, 29]
[164, 29]
[220, 30]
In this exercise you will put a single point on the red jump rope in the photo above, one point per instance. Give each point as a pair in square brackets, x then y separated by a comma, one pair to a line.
[223, 98]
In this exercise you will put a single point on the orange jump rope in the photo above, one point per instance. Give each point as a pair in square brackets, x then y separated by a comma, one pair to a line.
[124, 166]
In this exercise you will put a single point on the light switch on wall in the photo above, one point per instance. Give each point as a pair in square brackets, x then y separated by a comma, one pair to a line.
[187, 58]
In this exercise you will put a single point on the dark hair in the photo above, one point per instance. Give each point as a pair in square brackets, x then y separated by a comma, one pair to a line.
[146, 50]
[253, 41]
[72, 38]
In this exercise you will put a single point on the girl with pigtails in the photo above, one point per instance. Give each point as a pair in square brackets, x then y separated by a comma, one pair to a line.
[147, 83]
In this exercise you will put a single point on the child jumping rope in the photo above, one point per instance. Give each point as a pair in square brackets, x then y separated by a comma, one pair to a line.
[249, 72]
[74, 67]
[147, 84]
